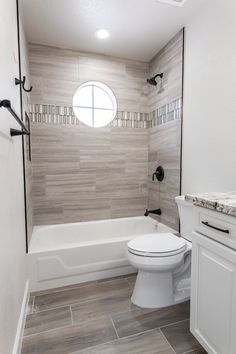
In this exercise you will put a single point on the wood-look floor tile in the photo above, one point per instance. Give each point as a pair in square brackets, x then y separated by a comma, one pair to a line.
[70, 339]
[180, 338]
[196, 351]
[46, 320]
[126, 276]
[81, 294]
[151, 342]
[30, 305]
[132, 281]
[62, 288]
[140, 320]
[102, 307]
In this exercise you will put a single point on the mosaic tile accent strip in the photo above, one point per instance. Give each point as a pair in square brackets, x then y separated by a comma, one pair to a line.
[50, 114]
[64, 115]
[167, 113]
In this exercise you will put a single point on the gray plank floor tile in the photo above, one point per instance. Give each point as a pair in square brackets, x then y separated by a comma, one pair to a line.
[102, 307]
[140, 320]
[81, 294]
[132, 281]
[151, 342]
[70, 339]
[62, 288]
[126, 276]
[30, 305]
[46, 320]
[196, 351]
[180, 338]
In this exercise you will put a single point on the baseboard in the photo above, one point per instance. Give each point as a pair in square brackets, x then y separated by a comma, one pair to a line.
[21, 321]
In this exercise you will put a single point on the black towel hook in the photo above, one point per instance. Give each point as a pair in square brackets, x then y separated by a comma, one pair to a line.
[22, 82]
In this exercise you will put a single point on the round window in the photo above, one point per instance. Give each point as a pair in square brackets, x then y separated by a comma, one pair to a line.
[94, 104]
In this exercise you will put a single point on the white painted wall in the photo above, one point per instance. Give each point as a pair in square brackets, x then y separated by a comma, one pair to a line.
[209, 131]
[12, 231]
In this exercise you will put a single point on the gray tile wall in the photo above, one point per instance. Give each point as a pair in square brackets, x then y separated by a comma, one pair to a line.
[56, 73]
[81, 173]
[169, 61]
[164, 150]
[165, 137]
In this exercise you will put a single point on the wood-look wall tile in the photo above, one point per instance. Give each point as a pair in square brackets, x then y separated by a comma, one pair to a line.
[80, 173]
[164, 150]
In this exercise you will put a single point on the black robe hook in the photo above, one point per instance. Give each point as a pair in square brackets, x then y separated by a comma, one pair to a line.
[22, 82]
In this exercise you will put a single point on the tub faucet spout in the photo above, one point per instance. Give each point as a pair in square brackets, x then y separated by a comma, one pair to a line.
[156, 212]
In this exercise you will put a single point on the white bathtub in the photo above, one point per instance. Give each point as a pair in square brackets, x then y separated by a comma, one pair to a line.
[68, 254]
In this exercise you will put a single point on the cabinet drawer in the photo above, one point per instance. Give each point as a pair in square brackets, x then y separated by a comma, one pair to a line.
[217, 226]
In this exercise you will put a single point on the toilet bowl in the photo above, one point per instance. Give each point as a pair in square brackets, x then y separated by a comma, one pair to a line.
[163, 261]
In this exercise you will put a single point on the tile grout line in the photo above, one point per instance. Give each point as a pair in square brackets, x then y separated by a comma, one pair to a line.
[167, 340]
[172, 324]
[114, 327]
[49, 330]
[115, 340]
[51, 309]
[78, 303]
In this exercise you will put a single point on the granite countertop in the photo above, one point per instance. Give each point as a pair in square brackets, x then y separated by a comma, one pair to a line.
[221, 202]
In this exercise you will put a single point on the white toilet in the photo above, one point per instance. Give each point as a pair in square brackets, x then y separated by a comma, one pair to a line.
[163, 261]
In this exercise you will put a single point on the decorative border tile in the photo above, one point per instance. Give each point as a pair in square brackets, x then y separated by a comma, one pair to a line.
[165, 114]
[50, 114]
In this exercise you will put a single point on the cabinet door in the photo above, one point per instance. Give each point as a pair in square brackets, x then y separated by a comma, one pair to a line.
[213, 295]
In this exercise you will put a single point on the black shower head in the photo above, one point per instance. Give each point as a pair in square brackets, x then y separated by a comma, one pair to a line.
[153, 81]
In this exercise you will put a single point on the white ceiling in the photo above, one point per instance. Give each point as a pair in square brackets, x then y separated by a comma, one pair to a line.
[138, 28]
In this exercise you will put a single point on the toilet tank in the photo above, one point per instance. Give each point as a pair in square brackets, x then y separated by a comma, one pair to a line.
[188, 217]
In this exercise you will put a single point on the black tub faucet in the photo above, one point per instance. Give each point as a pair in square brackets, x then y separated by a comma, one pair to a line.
[156, 212]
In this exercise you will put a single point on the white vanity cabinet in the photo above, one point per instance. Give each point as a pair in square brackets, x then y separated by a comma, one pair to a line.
[213, 282]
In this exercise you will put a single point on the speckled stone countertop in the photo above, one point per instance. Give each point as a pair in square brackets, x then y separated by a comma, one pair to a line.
[221, 202]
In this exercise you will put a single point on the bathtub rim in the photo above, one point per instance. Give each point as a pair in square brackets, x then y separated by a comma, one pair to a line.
[33, 246]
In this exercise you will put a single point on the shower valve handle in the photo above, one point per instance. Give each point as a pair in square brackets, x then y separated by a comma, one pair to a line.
[159, 174]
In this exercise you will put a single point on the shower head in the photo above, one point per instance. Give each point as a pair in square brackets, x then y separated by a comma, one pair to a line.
[153, 81]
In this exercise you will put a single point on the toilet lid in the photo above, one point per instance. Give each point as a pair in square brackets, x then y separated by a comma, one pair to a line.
[157, 244]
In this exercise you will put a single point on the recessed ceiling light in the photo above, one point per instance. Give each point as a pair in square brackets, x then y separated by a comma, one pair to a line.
[102, 34]
[173, 2]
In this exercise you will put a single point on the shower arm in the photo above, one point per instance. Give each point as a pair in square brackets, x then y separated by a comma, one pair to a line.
[158, 75]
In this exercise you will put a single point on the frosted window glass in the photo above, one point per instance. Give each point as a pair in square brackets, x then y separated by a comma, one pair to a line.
[101, 99]
[102, 117]
[85, 115]
[83, 97]
[94, 104]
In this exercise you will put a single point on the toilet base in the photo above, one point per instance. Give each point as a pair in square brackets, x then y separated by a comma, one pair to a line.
[155, 290]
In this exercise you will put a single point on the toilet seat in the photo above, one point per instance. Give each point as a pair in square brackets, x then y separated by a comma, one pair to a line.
[157, 245]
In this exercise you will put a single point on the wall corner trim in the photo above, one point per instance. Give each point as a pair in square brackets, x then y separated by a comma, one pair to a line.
[21, 321]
